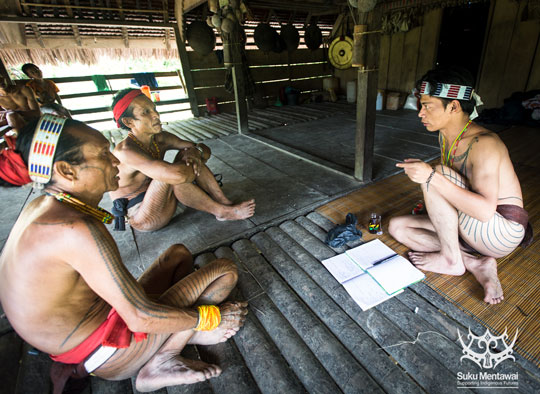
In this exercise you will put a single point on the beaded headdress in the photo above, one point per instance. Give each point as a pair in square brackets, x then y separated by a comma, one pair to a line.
[452, 91]
[447, 90]
[44, 142]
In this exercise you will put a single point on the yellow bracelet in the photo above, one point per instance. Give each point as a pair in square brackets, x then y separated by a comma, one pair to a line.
[209, 318]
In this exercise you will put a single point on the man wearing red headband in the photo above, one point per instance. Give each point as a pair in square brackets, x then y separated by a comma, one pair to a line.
[149, 186]
[66, 291]
[473, 198]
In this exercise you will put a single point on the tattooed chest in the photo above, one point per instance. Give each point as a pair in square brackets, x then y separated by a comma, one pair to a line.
[462, 162]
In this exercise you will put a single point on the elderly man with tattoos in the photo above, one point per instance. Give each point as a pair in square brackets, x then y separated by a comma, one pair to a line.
[473, 198]
[150, 186]
[65, 290]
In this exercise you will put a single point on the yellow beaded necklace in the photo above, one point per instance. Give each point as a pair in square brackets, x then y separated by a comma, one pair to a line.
[99, 213]
[454, 145]
[155, 154]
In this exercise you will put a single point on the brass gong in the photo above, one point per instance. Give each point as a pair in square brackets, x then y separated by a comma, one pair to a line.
[340, 52]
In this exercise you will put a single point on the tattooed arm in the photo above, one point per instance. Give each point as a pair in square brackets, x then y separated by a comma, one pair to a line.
[481, 201]
[96, 258]
[170, 173]
[170, 141]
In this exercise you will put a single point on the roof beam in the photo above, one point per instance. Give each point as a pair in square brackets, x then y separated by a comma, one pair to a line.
[75, 28]
[124, 30]
[165, 5]
[37, 33]
[92, 8]
[85, 22]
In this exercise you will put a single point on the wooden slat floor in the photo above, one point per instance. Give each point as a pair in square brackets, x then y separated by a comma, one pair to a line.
[303, 333]
[215, 126]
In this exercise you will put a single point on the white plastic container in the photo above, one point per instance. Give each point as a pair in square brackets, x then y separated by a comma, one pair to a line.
[351, 92]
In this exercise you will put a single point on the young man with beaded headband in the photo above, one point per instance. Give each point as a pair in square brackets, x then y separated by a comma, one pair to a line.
[65, 290]
[473, 198]
[149, 186]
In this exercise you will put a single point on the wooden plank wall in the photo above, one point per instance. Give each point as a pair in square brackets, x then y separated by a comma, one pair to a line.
[511, 61]
[302, 69]
[405, 57]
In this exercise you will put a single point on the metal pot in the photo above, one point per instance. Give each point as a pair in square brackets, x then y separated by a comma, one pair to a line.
[201, 37]
[290, 36]
[265, 37]
[313, 37]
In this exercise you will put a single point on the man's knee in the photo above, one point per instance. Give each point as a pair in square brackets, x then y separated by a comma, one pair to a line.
[227, 268]
[396, 226]
[178, 250]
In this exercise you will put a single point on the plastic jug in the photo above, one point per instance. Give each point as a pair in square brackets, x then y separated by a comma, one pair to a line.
[379, 102]
[351, 92]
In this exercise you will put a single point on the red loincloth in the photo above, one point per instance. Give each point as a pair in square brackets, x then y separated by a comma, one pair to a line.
[518, 215]
[112, 332]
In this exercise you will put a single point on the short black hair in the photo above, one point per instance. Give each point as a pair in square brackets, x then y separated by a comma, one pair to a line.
[450, 74]
[128, 113]
[68, 148]
[26, 66]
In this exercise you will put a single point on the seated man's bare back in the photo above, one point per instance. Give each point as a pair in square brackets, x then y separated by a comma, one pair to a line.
[61, 273]
[17, 104]
[151, 187]
[473, 199]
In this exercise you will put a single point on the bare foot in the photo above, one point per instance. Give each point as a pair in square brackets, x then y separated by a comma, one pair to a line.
[436, 262]
[212, 337]
[240, 211]
[167, 369]
[484, 270]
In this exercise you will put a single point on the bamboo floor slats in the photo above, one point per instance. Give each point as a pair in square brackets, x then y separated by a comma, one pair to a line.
[519, 272]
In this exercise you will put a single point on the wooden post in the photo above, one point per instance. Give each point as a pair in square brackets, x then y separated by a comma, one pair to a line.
[186, 70]
[232, 47]
[366, 97]
[240, 99]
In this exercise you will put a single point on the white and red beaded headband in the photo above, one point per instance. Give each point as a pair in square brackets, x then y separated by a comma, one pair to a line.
[43, 147]
[447, 90]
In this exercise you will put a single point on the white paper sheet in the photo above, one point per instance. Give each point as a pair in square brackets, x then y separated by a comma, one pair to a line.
[342, 267]
[395, 274]
[366, 292]
[366, 254]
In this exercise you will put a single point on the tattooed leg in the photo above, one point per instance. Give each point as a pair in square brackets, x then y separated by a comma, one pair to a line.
[174, 264]
[493, 239]
[156, 210]
[208, 183]
[159, 354]
[444, 219]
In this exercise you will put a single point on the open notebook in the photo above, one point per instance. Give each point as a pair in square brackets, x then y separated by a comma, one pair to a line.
[372, 273]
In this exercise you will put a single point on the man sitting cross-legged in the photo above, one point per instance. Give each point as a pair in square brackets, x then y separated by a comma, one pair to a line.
[473, 198]
[149, 186]
[65, 290]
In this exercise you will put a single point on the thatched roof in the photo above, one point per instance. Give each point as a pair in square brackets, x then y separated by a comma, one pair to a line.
[51, 31]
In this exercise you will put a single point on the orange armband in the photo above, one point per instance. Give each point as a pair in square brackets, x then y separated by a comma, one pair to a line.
[209, 318]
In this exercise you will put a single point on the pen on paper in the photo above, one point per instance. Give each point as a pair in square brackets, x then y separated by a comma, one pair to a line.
[385, 259]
